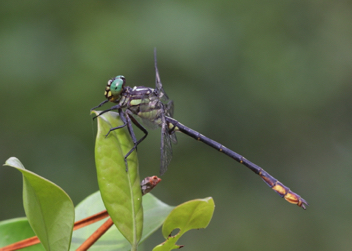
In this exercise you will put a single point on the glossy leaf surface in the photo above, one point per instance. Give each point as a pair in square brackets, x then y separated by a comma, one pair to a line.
[120, 190]
[155, 213]
[15, 230]
[48, 208]
[193, 214]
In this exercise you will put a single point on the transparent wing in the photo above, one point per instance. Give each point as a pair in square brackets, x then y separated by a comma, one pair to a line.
[169, 109]
[161, 94]
[158, 85]
[150, 124]
[166, 106]
[166, 148]
[173, 137]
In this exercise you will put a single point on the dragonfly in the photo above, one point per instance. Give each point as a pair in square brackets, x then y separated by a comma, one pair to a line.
[155, 109]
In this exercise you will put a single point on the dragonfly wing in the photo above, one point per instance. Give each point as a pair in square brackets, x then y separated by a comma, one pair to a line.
[149, 124]
[166, 148]
[173, 137]
[169, 109]
[158, 85]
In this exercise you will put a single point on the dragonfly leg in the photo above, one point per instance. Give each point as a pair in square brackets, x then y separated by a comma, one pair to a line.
[102, 103]
[115, 107]
[129, 119]
[130, 130]
[140, 127]
[123, 118]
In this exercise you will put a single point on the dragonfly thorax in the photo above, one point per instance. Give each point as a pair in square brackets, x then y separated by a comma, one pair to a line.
[114, 88]
[143, 102]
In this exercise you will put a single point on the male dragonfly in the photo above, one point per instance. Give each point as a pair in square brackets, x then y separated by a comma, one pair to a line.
[156, 110]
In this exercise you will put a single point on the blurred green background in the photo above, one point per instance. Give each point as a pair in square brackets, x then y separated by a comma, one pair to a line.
[269, 79]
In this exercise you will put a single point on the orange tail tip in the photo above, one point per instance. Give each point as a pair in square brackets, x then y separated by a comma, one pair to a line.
[296, 199]
[290, 196]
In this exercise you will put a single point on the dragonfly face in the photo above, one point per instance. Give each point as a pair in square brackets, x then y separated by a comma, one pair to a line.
[114, 88]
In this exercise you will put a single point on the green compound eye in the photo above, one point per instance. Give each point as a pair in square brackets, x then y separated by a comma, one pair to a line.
[114, 88]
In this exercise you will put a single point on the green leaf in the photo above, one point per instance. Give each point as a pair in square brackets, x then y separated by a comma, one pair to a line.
[120, 190]
[15, 230]
[49, 209]
[155, 212]
[193, 214]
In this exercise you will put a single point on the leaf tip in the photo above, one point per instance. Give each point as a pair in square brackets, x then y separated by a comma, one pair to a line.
[14, 162]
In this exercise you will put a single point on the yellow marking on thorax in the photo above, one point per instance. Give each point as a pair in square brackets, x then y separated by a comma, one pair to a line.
[135, 102]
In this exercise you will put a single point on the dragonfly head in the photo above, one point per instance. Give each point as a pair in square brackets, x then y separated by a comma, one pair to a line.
[114, 88]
